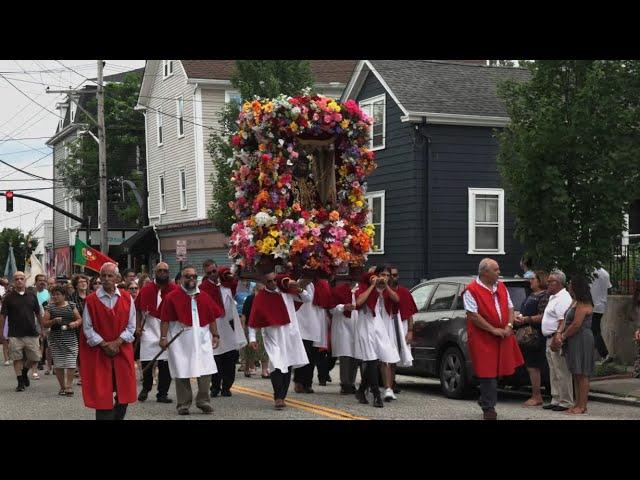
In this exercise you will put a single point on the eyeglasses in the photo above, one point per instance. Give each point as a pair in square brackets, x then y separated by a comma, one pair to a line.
[190, 277]
[131, 289]
[162, 270]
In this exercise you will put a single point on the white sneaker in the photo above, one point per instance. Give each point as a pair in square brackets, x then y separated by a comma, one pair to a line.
[7, 363]
[388, 395]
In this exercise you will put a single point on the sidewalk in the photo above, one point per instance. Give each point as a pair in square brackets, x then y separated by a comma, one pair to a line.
[621, 388]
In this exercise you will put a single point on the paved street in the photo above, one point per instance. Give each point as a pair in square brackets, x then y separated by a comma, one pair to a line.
[252, 399]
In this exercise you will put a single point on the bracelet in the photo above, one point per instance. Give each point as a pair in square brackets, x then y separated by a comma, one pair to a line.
[163, 338]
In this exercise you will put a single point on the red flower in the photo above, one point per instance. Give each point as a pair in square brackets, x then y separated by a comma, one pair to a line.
[236, 140]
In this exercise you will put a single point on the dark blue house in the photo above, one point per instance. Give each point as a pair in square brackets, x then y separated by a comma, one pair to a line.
[437, 198]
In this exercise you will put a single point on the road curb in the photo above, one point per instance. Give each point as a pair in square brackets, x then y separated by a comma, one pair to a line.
[593, 396]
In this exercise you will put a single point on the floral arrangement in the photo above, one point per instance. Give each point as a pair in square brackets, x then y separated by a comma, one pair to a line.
[271, 222]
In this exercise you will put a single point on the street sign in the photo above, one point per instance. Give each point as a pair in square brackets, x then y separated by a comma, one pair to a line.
[181, 250]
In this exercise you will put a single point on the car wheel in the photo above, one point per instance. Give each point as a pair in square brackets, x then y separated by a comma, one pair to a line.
[453, 376]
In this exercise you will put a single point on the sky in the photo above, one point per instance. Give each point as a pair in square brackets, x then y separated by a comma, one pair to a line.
[25, 126]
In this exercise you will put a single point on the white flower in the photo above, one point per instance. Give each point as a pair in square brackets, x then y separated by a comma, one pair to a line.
[301, 221]
[262, 219]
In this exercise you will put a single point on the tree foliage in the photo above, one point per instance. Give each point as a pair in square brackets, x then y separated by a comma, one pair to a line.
[569, 158]
[124, 131]
[263, 78]
[23, 245]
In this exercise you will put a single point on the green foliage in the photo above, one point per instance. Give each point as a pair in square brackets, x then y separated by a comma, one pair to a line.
[609, 369]
[264, 78]
[502, 63]
[20, 243]
[270, 78]
[569, 158]
[125, 131]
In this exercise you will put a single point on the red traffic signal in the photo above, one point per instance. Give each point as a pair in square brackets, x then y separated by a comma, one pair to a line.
[9, 196]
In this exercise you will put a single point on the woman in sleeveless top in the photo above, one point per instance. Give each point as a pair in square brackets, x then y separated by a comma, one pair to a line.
[578, 343]
[63, 319]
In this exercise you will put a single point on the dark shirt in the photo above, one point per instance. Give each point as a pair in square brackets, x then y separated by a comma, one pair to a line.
[21, 311]
[246, 306]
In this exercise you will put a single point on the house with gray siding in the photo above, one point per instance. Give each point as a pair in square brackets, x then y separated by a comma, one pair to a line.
[181, 100]
[437, 199]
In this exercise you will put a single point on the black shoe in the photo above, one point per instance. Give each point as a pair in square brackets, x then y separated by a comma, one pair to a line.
[345, 390]
[226, 393]
[143, 395]
[20, 388]
[328, 379]
[352, 389]
[214, 393]
[377, 401]
[25, 380]
[559, 408]
[206, 409]
[40, 366]
[549, 406]
[309, 390]
[361, 395]
[164, 399]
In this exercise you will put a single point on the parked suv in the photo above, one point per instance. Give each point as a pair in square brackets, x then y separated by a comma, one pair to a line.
[439, 345]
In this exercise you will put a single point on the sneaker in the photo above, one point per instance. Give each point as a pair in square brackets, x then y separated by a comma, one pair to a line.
[489, 414]
[207, 409]
[377, 401]
[35, 376]
[388, 395]
[183, 411]
[7, 363]
[608, 359]
[164, 400]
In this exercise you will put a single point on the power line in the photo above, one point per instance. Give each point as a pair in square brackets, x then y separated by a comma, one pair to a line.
[27, 166]
[18, 89]
[30, 174]
[23, 214]
[13, 139]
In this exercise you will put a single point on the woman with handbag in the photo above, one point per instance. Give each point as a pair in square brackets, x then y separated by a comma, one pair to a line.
[528, 324]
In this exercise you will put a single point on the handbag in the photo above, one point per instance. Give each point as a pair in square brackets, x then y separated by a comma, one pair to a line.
[527, 336]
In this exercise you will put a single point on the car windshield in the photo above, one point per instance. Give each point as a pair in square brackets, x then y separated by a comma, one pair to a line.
[518, 292]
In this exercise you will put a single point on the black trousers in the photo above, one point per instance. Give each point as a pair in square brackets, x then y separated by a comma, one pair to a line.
[304, 375]
[369, 376]
[164, 378]
[226, 364]
[280, 382]
[488, 393]
[325, 363]
[597, 335]
[118, 411]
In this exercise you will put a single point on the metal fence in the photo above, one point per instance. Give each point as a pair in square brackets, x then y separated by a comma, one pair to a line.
[624, 267]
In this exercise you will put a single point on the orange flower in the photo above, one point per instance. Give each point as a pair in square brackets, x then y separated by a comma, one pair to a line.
[334, 216]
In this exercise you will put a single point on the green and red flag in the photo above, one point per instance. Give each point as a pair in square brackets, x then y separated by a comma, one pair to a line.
[88, 257]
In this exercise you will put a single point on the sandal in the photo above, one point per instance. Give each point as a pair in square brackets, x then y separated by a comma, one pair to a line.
[47, 372]
[265, 376]
[62, 392]
[69, 392]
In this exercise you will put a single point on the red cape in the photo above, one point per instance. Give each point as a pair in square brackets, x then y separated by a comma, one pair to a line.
[322, 294]
[407, 307]
[176, 307]
[213, 290]
[373, 296]
[98, 369]
[232, 283]
[147, 299]
[268, 310]
[341, 295]
[492, 356]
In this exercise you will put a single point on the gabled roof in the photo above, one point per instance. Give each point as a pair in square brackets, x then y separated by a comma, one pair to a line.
[325, 72]
[440, 89]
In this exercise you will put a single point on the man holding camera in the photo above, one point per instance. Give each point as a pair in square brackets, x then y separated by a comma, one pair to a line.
[189, 324]
[106, 350]
[273, 310]
[221, 286]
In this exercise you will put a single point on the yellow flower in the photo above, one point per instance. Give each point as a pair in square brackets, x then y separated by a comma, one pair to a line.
[262, 147]
[359, 203]
[293, 126]
[333, 106]
[268, 107]
[344, 124]
[274, 233]
[278, 212]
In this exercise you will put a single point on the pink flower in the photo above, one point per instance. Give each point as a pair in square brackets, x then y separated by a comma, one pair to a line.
[315, 231]
[327, 119]
[337, 117]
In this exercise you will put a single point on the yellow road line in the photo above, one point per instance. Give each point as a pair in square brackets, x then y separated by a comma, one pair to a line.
[309, 407]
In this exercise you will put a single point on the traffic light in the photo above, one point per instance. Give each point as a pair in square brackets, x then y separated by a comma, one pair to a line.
[9, 196]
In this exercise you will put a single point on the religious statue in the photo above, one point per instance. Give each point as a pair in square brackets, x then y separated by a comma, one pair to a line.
[317, 160]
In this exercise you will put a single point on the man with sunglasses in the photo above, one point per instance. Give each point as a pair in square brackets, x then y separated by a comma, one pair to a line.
[221, 286]
[190, 318]
[148, 305]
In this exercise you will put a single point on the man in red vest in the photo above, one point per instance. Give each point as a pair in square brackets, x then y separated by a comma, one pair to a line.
[106, 350]
[492, 344]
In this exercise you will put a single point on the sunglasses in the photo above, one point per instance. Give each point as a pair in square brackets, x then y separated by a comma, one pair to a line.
[395, 274]
[133, 288]
[162, 270]
[190, 277]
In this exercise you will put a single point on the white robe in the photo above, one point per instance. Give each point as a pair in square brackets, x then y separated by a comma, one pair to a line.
[283, 344]
[150, 337]
[403, 350]
[191, 355]
[372, 340]
[343, 331]
[230, 339]
[313, 321]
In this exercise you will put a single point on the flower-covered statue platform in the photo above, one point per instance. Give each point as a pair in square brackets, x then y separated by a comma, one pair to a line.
[300, 168]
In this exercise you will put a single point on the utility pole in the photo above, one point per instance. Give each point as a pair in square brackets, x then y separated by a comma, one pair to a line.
[102, 164]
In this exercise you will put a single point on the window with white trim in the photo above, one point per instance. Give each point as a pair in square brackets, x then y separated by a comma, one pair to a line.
[183, 189]
[159, 125]
[232, 96]
[180, 116]
[161, 189]
[486, 221]
[167, 68]
[375, 201]
[375, 108]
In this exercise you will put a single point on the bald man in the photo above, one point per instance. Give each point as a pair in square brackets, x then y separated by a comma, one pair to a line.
[106, 348]
[148, 303]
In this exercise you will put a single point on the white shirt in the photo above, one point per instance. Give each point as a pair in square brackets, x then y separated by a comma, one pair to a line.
[599, 288]
[555, 310]
[108, 301]
[470, 304]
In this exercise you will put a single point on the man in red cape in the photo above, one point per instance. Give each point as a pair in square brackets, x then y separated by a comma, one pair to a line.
[106, 350]
[406, 308]
[492, 344]
[149, 303]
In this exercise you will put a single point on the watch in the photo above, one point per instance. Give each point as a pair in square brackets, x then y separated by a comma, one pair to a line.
[510, 325]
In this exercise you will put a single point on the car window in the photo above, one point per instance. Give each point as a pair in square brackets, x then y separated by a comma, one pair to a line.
[443, 297]
[459, 303]
[421, 296]
[518, 294]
